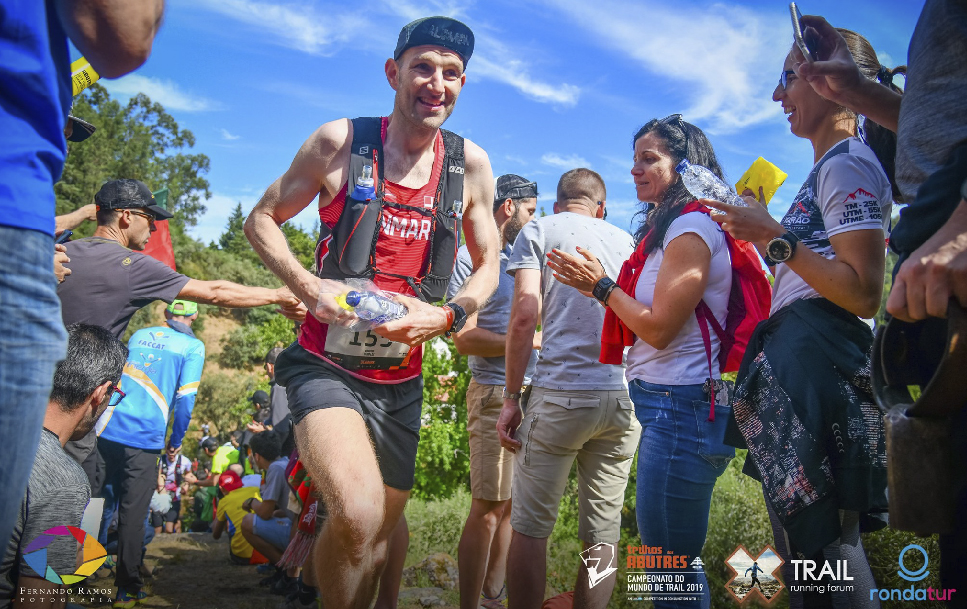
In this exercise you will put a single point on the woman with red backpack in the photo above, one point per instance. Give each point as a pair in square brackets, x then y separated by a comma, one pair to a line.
[682, 260]
[803, 402]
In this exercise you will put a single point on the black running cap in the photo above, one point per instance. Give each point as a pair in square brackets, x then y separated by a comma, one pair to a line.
[513, 186]
[437, 31]
[129, 194]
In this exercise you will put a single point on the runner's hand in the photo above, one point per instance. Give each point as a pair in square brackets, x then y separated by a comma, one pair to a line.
[323, 303]
[422, 322]
[507, 424]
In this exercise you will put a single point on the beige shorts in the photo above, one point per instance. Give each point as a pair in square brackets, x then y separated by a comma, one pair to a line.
[599, 429]
[491, 466]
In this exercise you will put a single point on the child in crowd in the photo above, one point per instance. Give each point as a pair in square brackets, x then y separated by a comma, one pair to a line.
[231, 495]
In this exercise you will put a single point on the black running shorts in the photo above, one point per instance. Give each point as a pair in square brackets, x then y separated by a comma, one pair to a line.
[391, 412]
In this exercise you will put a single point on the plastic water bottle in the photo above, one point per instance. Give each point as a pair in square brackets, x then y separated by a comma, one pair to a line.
[703, 184]
[372, 307]
[365, 189]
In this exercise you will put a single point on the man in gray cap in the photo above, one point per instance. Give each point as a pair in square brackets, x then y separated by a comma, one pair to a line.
[486, 535]
[111, 279]
[391, 191]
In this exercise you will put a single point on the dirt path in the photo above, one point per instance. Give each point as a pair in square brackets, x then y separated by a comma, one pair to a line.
[193, 572]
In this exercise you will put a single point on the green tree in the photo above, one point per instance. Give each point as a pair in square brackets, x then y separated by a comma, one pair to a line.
[443, 459]
[136, 140]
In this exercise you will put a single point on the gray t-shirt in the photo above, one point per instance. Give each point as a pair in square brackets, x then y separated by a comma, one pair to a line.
[57, 494]
[109, 283]
[932, 113]
[278, 403]
[571, 322]
[276, 488]
[493, 316]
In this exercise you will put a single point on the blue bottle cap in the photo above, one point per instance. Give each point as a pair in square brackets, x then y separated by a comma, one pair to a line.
[352, 298]
[681, 167]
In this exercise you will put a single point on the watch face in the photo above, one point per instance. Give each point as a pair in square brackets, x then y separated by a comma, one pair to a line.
[779, 249]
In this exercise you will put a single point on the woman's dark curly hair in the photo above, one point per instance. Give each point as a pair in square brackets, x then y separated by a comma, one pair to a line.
[681, 141]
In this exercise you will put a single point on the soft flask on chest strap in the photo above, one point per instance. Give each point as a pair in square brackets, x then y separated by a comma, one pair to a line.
[924, 467]
[351, 244]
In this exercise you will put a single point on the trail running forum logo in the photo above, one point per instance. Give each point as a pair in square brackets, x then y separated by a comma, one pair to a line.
[754, 575]
[35, 554]
[599, 560]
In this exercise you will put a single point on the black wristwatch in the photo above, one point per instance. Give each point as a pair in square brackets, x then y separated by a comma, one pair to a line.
[602, 290]
[459, 318]
[782, 248]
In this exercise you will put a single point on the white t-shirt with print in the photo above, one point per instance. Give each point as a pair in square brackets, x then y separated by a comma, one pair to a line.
[846, 190]
[684, 361]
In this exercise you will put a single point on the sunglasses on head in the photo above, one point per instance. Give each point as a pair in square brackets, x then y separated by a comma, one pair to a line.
[676, 119]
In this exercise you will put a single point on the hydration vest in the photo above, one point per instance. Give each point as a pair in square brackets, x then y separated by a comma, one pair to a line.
[351, 242]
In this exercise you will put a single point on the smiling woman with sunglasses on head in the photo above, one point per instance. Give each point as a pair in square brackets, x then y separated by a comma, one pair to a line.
[803, 403]
[682, 259]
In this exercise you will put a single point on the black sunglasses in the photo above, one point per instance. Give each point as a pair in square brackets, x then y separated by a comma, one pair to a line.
[676, 119]
[784, 78]
[151, 219]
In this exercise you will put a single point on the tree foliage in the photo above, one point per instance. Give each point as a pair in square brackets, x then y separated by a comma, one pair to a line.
[137, 140]
[443, 457]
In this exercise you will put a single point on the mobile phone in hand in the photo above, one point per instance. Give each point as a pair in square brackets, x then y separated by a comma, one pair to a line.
[797, 33]
[63, 237]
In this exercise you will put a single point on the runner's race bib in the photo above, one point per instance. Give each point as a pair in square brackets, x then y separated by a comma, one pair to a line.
[363, 350]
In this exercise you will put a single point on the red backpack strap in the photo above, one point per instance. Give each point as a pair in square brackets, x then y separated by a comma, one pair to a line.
[704, 316]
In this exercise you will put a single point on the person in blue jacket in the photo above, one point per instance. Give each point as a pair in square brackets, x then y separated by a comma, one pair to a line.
[160, 381]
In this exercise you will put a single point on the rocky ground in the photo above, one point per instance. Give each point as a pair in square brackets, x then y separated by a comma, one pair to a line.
[192, 571]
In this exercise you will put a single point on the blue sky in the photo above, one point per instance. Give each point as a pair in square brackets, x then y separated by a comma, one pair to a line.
[552, 84]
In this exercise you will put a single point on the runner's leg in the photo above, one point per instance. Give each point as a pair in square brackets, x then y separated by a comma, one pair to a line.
[392, 577]
[351, 549]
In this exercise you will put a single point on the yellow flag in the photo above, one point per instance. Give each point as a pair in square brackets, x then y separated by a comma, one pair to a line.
[761, 173]
[82, 75]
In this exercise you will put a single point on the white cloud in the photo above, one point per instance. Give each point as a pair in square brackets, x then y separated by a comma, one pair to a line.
[297, 26]
[496, 62]
[164, 92]
[564, 162]
[726, 58]
[514, 72]
[228, 136]
[305, 29]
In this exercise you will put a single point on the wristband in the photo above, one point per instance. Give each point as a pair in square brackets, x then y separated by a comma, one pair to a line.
[513, 396]
[602, 289]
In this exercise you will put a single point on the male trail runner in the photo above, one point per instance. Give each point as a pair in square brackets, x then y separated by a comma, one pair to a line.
[356, 396]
